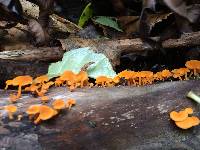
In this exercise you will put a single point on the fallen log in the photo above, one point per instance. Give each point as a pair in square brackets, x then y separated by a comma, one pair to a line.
[35, 61]
[114, 48]
[107, 118]
[32, 62]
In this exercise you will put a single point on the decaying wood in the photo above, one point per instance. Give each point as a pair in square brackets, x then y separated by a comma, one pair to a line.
[114, 48]
[186, 40]
[107, 118]
[111, 48]
[36, 54]
[32, 62]
[35, 61]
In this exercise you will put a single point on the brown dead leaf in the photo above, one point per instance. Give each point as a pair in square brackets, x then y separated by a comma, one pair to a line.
[129, 24]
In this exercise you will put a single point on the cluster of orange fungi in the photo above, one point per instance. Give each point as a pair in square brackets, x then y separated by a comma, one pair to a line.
[183, 118]
[192, 67]
[39, 113]
[40, 85]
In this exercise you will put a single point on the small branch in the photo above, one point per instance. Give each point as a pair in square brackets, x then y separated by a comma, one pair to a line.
[36, 54]
[186, 40]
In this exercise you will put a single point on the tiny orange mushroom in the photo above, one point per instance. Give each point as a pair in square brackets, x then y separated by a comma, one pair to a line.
[178, 116]
[41, 93]
[193, 65]
[41, 79]
[33, 110]
[44, 99]
[103, 81]
[46, 86]
[58, 104]
[189, 110]
[32, 88]
[19, 81]
[58, 82]
[145, 77]
[8, 82]
[188, 122]
[158, 76]
[166, 74]
[178, 73]
[70, 78]
[82, 77]
[45, 113]
[11, 109]
[70, 102]
[127, 75]
[116, 79]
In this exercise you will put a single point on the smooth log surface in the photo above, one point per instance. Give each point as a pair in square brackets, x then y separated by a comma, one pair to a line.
[119, 118]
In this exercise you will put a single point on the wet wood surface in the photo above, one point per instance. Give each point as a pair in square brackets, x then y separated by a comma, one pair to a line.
[119, 118]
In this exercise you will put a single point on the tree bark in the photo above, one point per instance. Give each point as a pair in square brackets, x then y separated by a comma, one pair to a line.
[107, 118]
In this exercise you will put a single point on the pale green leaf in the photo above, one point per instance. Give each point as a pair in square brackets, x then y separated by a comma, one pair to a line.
[75, 59]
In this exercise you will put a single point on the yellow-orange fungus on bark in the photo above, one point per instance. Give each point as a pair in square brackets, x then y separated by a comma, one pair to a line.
[70, 102]
[188, 123]
[103, 81]
[19, 81]
[44, 99]
[11, 109]
[33, 109]
[193, 65]
[32, 88]
[166, 74]
[41, 79]
[45, 113]
[178, 116]
[82, 78]
[58, 104]
[189, 110]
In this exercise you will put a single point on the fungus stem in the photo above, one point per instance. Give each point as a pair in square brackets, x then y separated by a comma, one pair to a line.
[193, 96]
[10, 115]
[70, 106]
[37, 120]
[19, 91]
